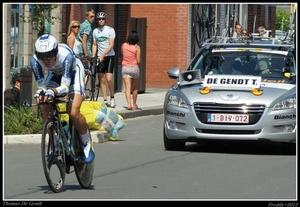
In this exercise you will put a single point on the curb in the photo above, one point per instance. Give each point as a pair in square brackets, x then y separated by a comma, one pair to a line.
[146, 111]
[97, 136]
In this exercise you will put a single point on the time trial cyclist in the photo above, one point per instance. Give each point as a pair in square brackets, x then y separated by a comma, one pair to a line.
[64, 75]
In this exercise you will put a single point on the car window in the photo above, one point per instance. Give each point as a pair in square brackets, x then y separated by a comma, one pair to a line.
[270, 65]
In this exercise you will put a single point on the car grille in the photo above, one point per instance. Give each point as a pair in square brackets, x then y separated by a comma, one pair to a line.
[255, 111]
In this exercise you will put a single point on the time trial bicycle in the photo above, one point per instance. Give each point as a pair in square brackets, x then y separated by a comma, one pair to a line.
[61, 149]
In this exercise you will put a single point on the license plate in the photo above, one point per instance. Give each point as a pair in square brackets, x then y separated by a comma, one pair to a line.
[228, 118]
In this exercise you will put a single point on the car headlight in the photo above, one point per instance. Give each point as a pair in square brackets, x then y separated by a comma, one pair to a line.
[176, 101]
[287, 103]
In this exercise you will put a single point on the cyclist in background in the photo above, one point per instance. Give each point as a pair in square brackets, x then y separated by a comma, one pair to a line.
[103, 47]
[65, 75]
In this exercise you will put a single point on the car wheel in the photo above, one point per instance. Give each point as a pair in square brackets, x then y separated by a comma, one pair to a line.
[173, 144]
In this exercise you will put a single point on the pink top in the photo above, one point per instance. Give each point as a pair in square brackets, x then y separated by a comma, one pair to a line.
[129, 55]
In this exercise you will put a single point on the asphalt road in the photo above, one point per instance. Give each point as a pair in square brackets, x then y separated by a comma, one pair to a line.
[137, 167]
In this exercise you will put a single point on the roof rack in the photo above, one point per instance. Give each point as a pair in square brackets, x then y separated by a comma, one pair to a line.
[248, 40]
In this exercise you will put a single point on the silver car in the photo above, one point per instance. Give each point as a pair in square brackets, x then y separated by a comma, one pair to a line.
[240, 89]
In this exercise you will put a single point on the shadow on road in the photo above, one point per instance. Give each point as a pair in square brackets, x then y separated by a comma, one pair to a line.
[236, 147]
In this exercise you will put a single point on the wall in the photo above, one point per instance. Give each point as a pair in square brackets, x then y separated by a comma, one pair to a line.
[167, 35]
[259, 11]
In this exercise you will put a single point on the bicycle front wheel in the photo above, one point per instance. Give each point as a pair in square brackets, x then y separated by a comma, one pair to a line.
[53, 158]
[84, 172]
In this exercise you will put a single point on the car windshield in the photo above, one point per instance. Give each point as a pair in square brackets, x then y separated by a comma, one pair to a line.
[267, 63]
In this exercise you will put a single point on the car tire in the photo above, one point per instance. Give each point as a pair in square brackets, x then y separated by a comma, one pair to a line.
[173, 144]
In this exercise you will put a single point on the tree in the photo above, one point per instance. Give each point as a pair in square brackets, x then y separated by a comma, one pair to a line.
[40, 15]
[282, 20]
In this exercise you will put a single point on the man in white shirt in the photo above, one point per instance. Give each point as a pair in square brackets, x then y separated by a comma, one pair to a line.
[238, 31]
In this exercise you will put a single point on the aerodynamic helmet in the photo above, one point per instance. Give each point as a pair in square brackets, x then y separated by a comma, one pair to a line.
[101, 15]
[46, 46]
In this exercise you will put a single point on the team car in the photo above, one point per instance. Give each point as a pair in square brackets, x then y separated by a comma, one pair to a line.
[253, 99]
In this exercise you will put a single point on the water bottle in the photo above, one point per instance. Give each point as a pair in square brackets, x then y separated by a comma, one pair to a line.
[66, 129]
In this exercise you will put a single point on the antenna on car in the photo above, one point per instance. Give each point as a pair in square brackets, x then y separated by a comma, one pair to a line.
[254, 24]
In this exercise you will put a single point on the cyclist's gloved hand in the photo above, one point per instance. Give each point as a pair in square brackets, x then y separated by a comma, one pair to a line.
[49, 93]
[40, 92]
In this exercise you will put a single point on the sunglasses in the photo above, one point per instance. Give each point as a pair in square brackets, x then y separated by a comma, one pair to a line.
[92, 16]
[76, 26]
[45, 56]
[244, 33]
[101, 19]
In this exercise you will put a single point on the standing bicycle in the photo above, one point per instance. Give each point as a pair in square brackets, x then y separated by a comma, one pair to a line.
[92, 85]
[65, 73]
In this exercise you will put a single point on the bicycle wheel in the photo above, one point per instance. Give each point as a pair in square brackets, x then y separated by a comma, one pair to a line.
[94, 87]
[53, 160]
[84, 172]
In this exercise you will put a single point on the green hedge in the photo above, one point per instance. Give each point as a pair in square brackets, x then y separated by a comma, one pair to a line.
[22, 120]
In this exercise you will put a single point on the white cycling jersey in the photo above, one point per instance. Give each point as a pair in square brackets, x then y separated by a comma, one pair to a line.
[66, 75]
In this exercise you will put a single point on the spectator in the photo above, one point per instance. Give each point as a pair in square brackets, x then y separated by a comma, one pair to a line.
[244, 33]
[238, 31]
[85, 38]
[262, 31]
[104, 38]
[12, 95]
[72, 42]
[131, 57]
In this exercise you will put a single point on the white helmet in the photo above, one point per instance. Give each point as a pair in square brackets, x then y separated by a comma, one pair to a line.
[46, 46]
[101, 15]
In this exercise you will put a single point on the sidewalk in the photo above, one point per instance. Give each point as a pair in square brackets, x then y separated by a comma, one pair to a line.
[150, 103]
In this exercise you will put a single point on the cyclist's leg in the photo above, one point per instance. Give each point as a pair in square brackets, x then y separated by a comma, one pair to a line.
[102, 82]
[77, 96]
[109, 74]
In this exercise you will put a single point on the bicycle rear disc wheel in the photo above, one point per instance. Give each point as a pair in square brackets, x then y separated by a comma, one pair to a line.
[53, 162]
[84, 172]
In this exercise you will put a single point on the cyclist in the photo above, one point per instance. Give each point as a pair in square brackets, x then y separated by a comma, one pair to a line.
[103, 43]
[65, 75]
